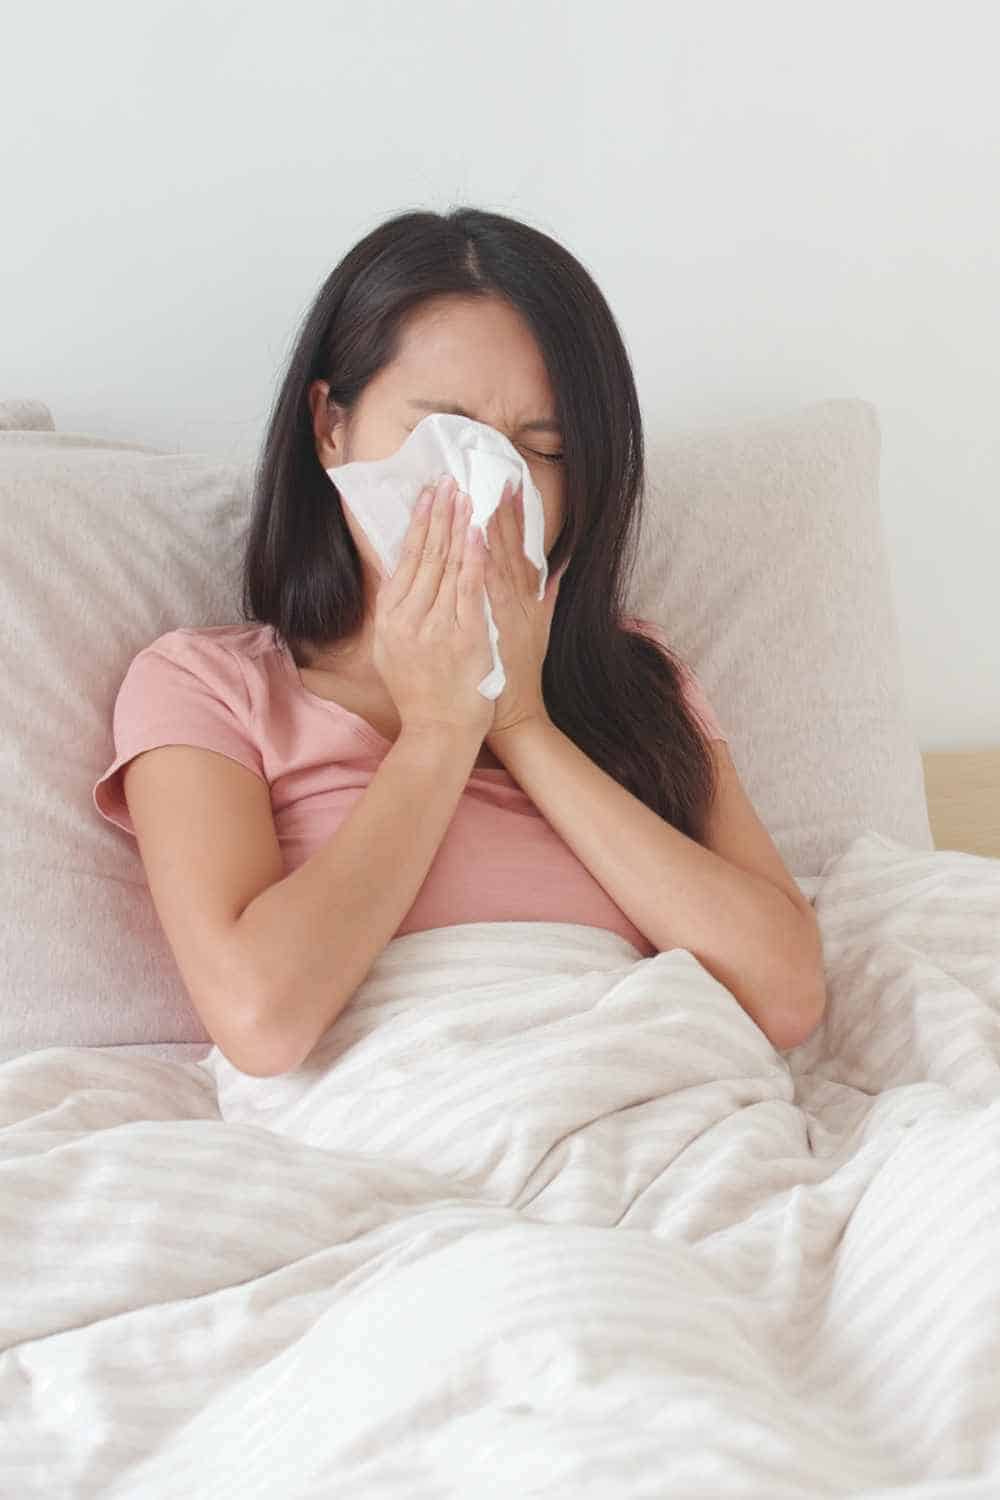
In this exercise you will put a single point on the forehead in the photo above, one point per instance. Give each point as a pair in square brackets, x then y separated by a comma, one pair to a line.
[476, 351]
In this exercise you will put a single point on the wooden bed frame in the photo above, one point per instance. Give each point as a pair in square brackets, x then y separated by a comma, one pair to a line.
[963, 799]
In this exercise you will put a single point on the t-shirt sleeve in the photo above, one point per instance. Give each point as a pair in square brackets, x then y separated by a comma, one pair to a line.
[694, 693]
[183, 689]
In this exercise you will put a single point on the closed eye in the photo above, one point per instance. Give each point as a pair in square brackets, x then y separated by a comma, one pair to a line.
[549, 458]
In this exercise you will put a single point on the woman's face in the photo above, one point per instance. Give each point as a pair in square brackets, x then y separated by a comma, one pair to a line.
[476, 354]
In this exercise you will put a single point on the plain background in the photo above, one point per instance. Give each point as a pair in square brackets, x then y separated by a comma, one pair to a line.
[783, 201]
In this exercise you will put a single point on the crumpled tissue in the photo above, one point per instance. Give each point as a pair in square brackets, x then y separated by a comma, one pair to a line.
[382, 493]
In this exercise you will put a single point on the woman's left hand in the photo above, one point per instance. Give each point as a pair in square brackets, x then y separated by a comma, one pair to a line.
[522, 619]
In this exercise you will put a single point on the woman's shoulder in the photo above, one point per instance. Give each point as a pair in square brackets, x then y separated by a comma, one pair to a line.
[641, 626]
[247, 641]
[220, 660]
[694, 691]
[210, 646]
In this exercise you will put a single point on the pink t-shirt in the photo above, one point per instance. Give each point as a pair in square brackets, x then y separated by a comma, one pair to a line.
[232, 689]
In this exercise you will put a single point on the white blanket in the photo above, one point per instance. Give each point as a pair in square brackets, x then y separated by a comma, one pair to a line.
[538, 1217]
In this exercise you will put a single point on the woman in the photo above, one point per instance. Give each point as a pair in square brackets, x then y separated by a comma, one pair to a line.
[324, 776]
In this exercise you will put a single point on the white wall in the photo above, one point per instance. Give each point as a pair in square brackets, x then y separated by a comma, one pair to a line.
[782, 200]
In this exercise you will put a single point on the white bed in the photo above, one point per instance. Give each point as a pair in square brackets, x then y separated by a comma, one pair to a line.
[538, 1217]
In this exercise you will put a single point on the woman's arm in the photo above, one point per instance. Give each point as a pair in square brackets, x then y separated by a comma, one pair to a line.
[747, 933]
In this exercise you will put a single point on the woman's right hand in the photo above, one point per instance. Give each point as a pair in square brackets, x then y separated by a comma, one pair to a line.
[431, 644]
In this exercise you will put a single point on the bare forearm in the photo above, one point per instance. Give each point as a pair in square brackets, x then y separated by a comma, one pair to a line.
[745, 931]
[311, 938]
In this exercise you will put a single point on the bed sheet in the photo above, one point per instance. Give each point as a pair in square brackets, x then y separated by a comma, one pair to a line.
[537, 1217]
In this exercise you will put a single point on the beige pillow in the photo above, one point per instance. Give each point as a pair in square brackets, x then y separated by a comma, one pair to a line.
[107, 545]
[762, 558]
[25, 416]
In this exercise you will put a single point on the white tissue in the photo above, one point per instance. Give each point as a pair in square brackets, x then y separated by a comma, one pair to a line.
[381, 494]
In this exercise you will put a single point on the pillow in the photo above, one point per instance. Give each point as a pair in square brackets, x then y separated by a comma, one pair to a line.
[108, 544]
[763, 558]
[25, 415]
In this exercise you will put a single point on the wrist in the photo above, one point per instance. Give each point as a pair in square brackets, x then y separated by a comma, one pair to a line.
[453, 738]
[508, 735]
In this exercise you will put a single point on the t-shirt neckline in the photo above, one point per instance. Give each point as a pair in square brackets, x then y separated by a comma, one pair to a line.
[360, 724]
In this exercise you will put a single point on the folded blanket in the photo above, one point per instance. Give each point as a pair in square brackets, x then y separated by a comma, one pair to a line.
[537, 1217]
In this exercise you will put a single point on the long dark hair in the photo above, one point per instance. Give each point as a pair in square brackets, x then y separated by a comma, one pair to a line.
[616, 693]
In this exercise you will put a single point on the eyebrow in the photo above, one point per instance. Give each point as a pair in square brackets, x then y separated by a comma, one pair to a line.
[541, 425]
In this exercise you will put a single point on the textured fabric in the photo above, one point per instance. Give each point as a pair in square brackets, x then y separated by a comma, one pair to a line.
[537, 1218]
[763, 556]
[760, 556]
[25, 416]
[232, 689]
